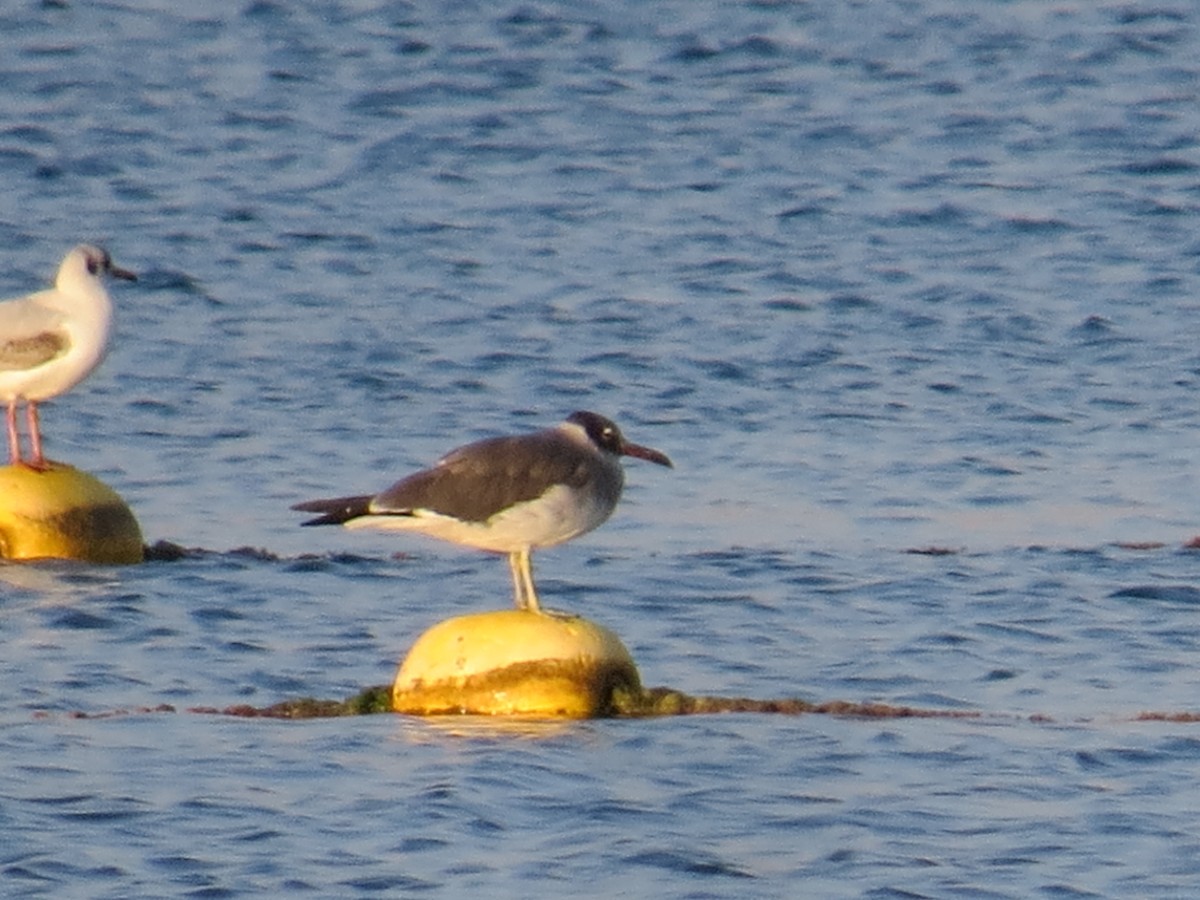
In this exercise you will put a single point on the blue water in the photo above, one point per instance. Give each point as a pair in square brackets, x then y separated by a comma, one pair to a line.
[880, 278]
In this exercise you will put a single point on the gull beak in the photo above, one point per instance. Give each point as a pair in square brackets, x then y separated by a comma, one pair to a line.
[118, 272]
[647, 453]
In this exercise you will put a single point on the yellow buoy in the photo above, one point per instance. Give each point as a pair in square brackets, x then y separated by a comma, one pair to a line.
[63, 513]
[514, 662]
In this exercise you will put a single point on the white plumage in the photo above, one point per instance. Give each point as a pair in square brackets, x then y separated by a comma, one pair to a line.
[52, 340]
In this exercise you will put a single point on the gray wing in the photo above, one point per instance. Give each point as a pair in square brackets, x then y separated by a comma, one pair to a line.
[475, 482]
[28, 352]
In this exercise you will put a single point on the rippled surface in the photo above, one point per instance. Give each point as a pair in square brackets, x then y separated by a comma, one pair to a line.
[879, 278]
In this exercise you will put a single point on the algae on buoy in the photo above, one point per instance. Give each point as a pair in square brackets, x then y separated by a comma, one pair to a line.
[63, 513]
[514, 662]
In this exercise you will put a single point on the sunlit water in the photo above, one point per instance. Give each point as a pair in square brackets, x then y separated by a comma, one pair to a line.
[878, 277]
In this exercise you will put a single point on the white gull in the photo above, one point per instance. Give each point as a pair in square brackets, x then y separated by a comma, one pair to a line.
[52, 340]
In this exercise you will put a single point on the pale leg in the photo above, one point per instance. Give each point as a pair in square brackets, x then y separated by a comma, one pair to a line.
[522, 572]
[531, 597]
[514, 566]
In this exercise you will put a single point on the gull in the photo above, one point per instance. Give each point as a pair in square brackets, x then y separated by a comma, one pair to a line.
[52, 340]
[505, 494]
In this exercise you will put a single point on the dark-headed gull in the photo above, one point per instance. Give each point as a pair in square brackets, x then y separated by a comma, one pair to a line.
[505, 494]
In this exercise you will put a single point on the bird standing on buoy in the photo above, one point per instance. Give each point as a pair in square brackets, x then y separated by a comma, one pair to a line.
[505, 494]
[52, 340]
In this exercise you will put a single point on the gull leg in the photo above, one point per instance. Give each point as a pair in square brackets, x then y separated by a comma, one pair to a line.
[525, 563]
[35, 436]
[524, 593]
[514, 566]
[14, 441]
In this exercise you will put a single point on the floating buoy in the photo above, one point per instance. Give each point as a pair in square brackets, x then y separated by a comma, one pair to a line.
[515, 662]
[63, 513]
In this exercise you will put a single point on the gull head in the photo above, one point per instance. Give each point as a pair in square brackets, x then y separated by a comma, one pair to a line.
[88, 263]
[606, 437]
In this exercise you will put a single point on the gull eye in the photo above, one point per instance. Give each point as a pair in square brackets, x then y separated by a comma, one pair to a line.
[93, 265]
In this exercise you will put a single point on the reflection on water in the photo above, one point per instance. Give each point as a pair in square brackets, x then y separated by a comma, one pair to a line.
[436, 729]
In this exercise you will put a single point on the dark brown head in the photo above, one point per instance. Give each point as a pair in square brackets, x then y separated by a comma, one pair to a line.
[607, 437]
